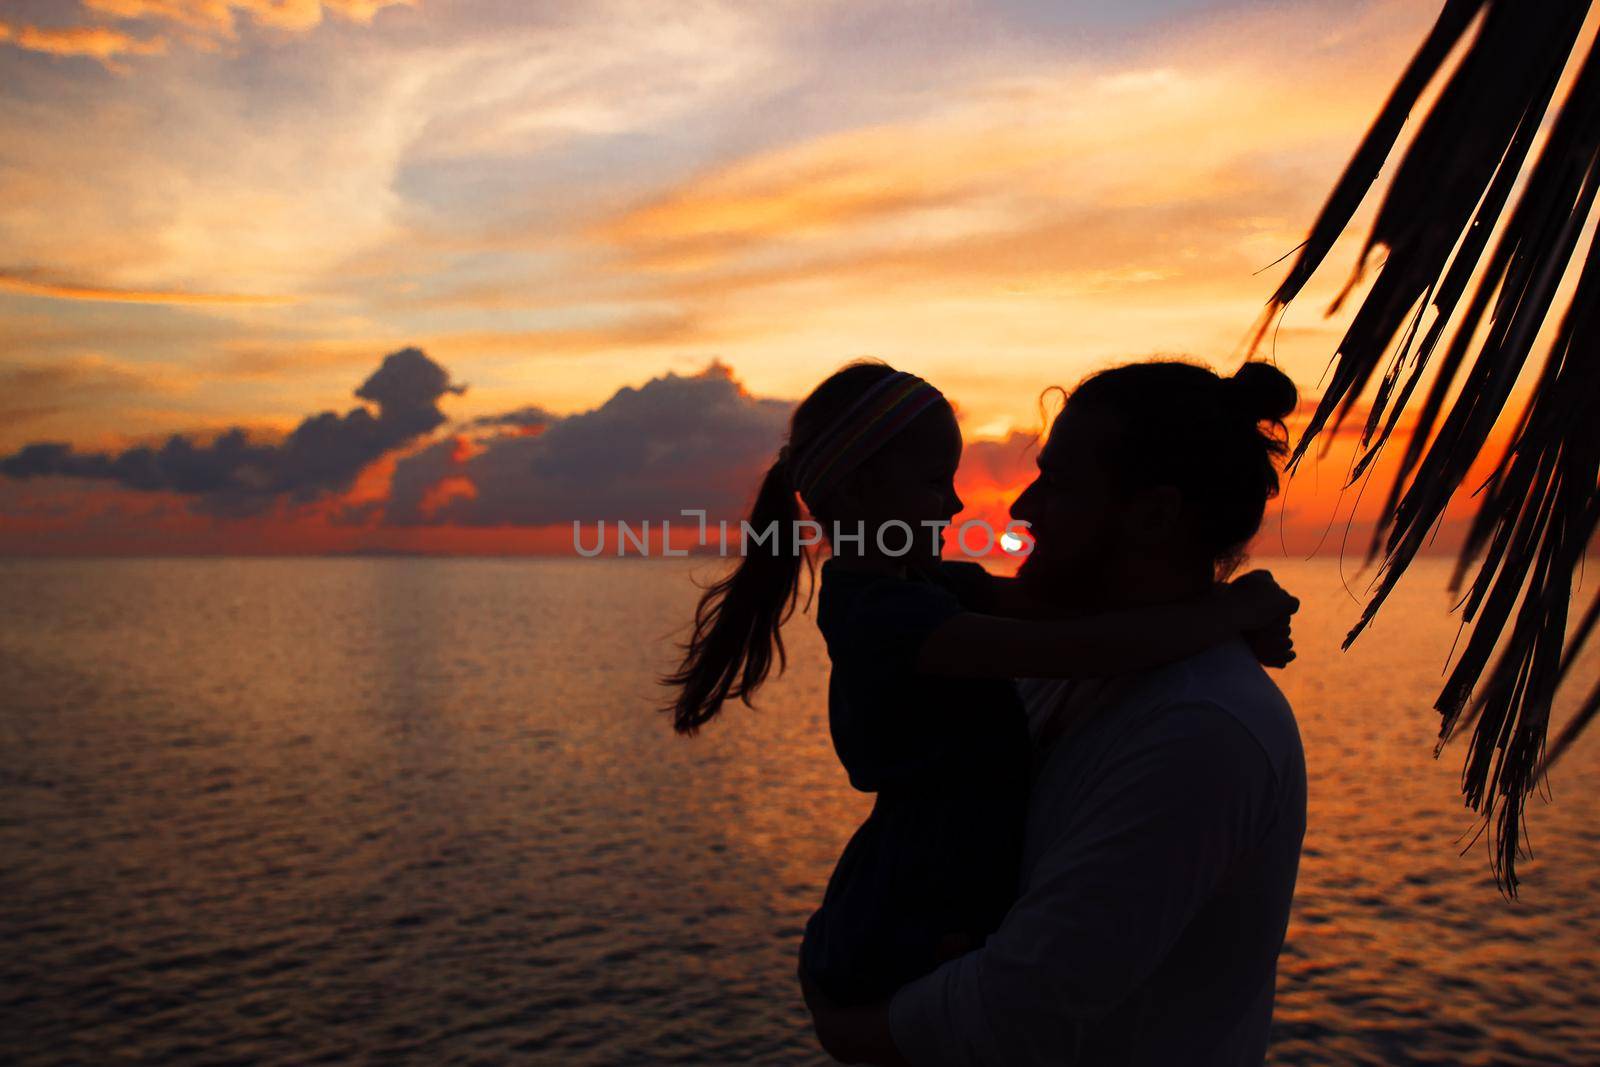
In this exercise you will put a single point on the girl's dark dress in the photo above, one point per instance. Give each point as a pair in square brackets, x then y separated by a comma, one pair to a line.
[948, 760]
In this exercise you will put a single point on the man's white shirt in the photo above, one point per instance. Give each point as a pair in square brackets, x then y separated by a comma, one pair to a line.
[1163, 840]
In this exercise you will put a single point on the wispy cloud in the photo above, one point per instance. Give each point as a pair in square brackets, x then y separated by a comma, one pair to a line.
[39, 389]
[220, 17]
[1104, 174]
[35, 284]
[96, 42]
[203, 24]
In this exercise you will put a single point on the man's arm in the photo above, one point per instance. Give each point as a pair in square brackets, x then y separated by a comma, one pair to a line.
[1188, 794]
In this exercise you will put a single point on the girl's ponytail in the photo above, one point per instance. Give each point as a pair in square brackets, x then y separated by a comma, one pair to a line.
[738, 621]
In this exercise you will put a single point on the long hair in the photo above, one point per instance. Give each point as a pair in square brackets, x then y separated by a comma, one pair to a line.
[739, 620]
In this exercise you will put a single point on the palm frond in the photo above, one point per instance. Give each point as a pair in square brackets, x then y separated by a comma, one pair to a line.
[1539, 509]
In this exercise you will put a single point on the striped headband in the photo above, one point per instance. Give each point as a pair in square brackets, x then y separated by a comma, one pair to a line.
[876, 416]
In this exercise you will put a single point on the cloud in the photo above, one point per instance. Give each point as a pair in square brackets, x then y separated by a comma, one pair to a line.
[698, 441]
[38, 389]
[633, 331]
[272, 169]
[593, 71]
[210, 180]
[498, 182]
[507, 481]
[217, 18]
[525, 420]
[1083, 170]
[96, 42]
[286, 358]
[35, 283]
[235, 477]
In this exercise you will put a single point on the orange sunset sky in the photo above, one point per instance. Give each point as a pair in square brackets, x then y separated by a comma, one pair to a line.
[578, 259]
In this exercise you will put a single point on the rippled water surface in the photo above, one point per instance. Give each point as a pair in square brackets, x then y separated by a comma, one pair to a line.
[422, 811]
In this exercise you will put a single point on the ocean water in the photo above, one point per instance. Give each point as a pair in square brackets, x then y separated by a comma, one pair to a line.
[299, 811]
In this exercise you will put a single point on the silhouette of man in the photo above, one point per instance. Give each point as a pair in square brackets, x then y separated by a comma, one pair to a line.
[1167, 808]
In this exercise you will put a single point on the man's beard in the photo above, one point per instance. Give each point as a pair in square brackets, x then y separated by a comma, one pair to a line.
[1078, 580]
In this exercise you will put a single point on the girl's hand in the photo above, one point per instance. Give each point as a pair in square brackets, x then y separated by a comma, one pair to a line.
[1254, 601]
[1273, 645]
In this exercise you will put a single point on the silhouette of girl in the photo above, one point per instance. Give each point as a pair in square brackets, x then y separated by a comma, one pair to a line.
[921, 704]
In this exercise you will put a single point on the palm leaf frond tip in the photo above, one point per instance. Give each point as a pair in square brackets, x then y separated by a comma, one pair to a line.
[1450, 194]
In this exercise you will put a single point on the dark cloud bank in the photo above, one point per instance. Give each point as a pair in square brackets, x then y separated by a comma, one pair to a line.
[677, 442]
[233, 476]
[674, 443]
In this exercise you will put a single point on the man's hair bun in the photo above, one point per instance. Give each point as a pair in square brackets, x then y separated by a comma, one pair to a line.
[1262, 390]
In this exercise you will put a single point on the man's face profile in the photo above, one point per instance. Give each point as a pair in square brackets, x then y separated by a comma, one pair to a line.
[1069, 506]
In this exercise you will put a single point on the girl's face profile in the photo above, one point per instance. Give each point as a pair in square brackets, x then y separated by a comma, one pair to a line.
[911, 480]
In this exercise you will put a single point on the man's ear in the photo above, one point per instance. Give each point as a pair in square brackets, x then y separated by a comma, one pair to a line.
[1153, 516]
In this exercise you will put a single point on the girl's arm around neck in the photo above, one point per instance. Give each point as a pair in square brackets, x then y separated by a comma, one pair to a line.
[973, 645]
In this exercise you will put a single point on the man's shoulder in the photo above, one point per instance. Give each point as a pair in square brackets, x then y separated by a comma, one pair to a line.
[1217, 699]
[1222, 691]
[1228, 680]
